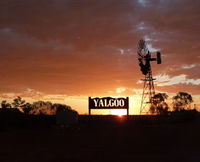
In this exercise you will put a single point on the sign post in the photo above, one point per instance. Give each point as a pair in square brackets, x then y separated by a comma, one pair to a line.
[108, 103]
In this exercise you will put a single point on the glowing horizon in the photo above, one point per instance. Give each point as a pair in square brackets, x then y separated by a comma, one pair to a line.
[80, 103]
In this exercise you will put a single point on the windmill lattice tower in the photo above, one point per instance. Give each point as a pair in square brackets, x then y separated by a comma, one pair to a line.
[144, 57]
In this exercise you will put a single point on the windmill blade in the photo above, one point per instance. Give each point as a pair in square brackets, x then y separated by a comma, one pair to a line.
[142, 48]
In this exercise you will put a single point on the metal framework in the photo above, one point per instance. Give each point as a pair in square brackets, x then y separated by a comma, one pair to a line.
[144, 57]
[148, 93]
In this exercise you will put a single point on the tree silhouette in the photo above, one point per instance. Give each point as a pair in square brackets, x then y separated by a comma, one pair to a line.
[36, 108]
[5, 105]
[65, 116]
[18, 103]
[42, 107]
[159, 105]
[61, 107]
[182, 101]
[27, 108]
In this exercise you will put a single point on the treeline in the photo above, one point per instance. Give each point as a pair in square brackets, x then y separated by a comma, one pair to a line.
[180, 102]
[36, 108]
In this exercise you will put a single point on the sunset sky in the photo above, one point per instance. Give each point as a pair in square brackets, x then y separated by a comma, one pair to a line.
[66, 50]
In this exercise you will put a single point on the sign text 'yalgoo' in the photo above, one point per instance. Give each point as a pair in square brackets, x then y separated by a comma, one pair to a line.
[108, 103]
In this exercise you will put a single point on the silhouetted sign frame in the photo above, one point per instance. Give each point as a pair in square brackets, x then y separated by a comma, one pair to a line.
[108, 103]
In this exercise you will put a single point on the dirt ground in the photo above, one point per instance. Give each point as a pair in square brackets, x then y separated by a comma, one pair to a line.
[118, 140]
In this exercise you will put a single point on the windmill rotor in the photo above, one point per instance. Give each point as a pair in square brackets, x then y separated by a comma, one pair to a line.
[144, 57]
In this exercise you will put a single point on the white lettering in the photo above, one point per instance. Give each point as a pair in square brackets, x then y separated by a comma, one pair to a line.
[122, 103]
[105, 103]
[109, 103]
[95, 102]
[101, 104]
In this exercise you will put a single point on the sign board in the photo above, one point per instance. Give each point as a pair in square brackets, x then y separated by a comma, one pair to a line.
[108, 103]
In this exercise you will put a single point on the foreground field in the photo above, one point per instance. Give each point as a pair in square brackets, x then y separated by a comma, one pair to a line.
[104, 139]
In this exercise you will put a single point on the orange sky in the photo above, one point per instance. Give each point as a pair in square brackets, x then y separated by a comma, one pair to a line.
[66, 50]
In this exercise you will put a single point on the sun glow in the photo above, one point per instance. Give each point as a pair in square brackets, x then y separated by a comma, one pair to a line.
[119, 113]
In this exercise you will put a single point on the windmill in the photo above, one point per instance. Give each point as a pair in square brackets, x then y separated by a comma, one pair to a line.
[144, 58]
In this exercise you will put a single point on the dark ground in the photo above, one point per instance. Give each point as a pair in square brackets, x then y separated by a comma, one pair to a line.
[106, 138]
